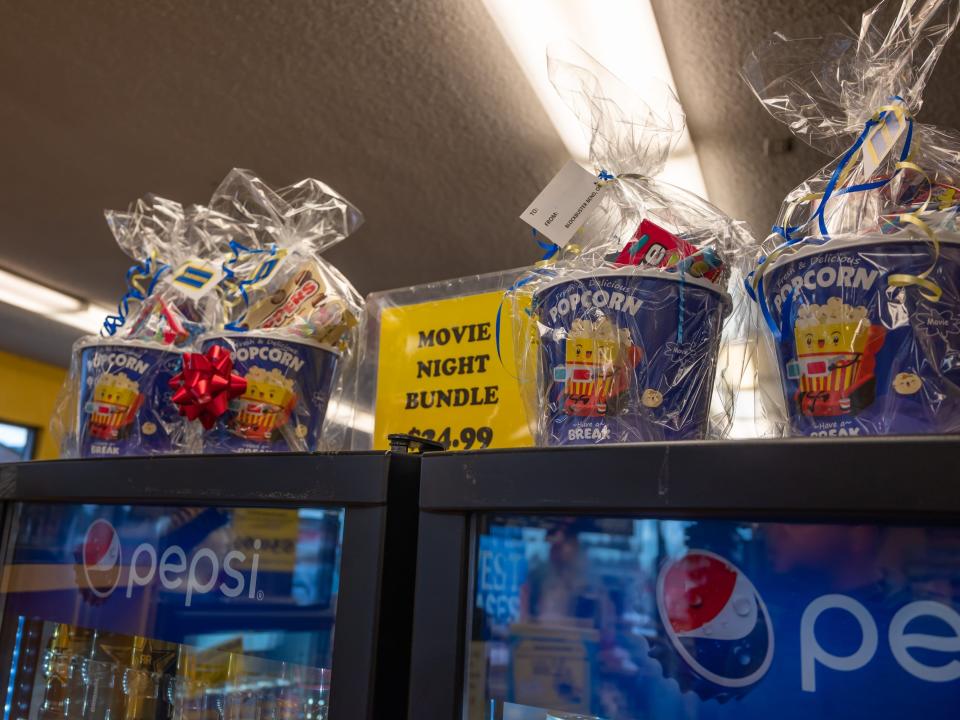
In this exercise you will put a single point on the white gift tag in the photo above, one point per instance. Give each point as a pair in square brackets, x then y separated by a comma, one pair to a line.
[880, 141]
[195, 278]
[563, 206]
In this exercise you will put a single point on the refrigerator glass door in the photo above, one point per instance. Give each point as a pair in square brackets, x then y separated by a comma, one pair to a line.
[627, 618]
[117, 612]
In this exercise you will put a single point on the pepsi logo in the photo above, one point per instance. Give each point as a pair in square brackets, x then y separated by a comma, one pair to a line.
[715, 619]
[100, 556]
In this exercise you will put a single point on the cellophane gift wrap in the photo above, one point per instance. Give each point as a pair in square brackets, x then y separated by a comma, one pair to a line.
[289, 319]
[116, 399]
[859, 283]
[621, 329]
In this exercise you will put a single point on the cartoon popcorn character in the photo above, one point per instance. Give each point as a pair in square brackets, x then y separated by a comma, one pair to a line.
[836, 357]
[265, 406]
[116, 401]
[599, 366]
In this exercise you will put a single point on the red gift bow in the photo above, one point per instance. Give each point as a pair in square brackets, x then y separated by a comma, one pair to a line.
[206, 385]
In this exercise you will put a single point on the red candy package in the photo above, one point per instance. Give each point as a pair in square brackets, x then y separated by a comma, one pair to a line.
[653, 246]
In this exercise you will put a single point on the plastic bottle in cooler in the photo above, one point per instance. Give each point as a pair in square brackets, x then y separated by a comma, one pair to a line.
[55, 667]
[141, 683]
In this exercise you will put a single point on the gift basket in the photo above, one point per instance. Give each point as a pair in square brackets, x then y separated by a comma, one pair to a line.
[859, 284]
[117, 396]
[626, 320]
[279, 351]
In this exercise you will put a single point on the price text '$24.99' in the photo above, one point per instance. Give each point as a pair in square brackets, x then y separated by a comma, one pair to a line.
[469, 437]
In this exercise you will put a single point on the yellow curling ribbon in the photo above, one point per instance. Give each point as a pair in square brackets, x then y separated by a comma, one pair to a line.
[929, 290]
[141, 281]
[568, 249]
[927, 287]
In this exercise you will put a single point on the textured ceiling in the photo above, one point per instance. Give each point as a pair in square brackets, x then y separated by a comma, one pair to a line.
[416, 111]
[707, 41]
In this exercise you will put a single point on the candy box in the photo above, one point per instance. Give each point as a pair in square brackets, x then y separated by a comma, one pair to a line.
[652, 246]
[306, 305]
[862, 356]
[288, 382]
[124, 403]
[626, 356]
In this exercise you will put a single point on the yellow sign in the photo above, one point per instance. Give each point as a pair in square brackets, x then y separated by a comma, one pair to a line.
[271, 533]
[439, 376]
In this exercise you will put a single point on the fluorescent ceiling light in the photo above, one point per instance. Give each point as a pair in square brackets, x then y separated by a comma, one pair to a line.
[90, 319]
[52, 304]
[622, 35]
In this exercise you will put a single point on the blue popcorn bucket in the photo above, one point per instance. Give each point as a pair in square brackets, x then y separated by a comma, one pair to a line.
[859, 356]
[124, 403]
[627, 356]
[289, 382]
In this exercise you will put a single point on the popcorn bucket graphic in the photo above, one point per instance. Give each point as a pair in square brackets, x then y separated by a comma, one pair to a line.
[598, 368]
[289, 382]
[859, 356]
[124, 405]
[836, 359]
[116, 401]
[266, 405]
[626, 356]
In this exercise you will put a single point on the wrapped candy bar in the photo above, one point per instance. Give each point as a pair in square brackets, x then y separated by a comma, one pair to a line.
[117, 397]
[288, 325]
[626, 319]
[859, 283]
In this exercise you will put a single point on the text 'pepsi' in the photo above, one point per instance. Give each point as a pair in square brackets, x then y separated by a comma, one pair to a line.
[173, 564]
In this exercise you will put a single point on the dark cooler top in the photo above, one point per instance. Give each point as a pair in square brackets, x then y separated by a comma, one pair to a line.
[808, 478]
[350, 478]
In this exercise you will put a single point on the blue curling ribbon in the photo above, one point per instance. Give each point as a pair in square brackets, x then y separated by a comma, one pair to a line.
[841, 166]
[263, 271]
[140, 270]
[765, 310]
[759, 296]
[550, 248]
[604, 175]
[516, 286]
[237, 326]
[786, 232]
[788, 312]
[821, 214]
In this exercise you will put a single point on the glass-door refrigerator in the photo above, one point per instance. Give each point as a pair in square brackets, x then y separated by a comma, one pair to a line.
[690, 581]
[207, 588]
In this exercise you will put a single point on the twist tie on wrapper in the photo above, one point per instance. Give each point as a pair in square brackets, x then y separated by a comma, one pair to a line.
[141, 278]
[928, 288]
[206, 385]
[606, 179]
